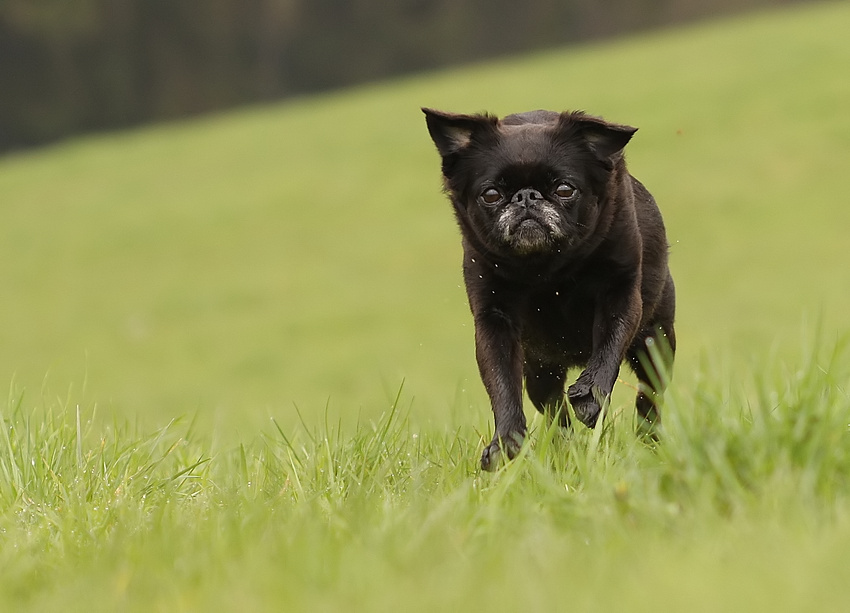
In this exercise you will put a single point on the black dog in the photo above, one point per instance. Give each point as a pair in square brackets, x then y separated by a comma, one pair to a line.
[565, 263]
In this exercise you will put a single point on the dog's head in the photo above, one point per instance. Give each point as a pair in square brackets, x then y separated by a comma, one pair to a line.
[528, 184]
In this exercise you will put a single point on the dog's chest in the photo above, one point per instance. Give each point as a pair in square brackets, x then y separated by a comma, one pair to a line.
[557, 324]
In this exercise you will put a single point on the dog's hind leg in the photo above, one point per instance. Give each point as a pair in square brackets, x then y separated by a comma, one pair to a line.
[651, 357]
[544, 384]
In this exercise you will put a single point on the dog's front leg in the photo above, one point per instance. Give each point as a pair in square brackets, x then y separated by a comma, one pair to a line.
[616, 321]
[499, 355]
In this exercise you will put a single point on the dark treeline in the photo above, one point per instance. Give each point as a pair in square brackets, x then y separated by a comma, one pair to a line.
[68, 66]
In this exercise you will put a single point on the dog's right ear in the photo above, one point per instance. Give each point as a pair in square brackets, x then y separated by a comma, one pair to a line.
[605, 139]
[452, 133]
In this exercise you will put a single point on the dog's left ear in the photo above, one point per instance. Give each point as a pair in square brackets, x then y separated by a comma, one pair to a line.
[452, 132]
[604, 139]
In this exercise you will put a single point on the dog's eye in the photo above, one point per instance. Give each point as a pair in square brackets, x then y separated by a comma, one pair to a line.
[565, 191]
[490, 196]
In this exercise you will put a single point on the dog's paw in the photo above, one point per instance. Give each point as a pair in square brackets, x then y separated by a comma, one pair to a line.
[648, 432]
[493, 454]
[586, 400]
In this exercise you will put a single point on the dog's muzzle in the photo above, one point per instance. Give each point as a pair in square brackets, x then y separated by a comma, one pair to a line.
[529, 222]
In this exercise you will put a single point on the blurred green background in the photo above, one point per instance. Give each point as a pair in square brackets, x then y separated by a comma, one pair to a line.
[301, 253]
[72, 67]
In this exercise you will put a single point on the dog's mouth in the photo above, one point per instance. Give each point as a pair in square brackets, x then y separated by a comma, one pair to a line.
[530, 235]
[529, 224]
[527, 232]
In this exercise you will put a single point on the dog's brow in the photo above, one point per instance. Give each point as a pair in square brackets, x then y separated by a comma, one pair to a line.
[530, 128]
[522, 143]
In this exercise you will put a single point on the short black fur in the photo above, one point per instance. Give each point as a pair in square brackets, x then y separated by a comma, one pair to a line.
[565, 263]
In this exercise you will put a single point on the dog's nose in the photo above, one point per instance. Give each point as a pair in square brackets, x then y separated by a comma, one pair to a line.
[526, 197]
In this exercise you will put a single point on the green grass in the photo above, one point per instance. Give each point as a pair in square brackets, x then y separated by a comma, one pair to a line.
[746, 506]
[172, 294]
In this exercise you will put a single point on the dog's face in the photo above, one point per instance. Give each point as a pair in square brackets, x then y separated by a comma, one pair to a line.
[531, 183]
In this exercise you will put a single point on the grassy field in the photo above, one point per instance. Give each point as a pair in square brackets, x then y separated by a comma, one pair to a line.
[241, 375]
